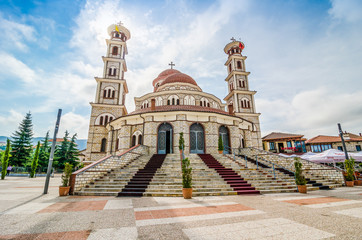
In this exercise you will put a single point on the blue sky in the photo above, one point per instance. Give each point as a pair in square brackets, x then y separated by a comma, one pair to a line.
[304, 57]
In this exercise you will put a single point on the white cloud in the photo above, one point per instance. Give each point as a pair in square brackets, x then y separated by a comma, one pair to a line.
[346, 10]
[74, 123]
[11, 120]
[15, 69]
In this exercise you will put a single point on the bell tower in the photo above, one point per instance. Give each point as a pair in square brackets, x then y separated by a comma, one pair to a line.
[240, 98]
[110, 94]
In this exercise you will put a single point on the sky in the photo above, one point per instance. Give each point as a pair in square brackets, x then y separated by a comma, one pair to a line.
[305, 58]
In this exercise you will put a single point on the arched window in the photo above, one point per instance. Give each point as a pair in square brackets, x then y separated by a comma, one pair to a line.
[173, 100]
[110, 119]
[114, 50]
[104, 93]
[133, 140]
[245, 103]
[145, 104]
[208, 104]
[101, 120]
[159, 101]
[103, 145]
[140, 139]
[113, 93]
[189, 100]
[117, 143]
[114, 72]
[168, 102]
[238, 64]
[204, 102]
[109, 93]
[106, 120]
[178, 102]
[110, 71]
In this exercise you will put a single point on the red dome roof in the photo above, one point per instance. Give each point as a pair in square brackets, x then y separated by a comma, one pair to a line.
[179, 77]
[164, 74]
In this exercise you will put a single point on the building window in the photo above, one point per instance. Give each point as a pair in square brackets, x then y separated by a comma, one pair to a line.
[133, 140]
[189, 100]
[103, 145]
[104, 93]
[358, 148]
[117, 143]
[230, 68]
[114, 50]
[101, 120]
[140, 139]
[238, 64]
[168, 102]
[340, 148]
[110, 71]
[272, 146]
[106, 120]
[289, 144]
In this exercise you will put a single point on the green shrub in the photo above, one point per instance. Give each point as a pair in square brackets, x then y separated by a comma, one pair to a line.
[220, 144]
[299, 178]
[181, 141]
[349, 169]
[186, 174]
[66, 174]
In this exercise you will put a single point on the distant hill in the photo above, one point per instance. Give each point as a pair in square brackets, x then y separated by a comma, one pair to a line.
[82, 143]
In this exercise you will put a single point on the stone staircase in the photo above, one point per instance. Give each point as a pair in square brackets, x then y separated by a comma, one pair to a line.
[205, 181]
[238, 184]
[140, 181]
[114, 180]
[318, 176]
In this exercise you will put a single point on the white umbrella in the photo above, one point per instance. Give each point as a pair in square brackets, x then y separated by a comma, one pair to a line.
[328, 156]
[356, 156]
[307, 155]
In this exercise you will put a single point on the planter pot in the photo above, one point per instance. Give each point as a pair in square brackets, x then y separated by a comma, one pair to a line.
[302, 188]
[187, 193]
[220, 151]
[349, 183]
[358, 182]
[63, 191]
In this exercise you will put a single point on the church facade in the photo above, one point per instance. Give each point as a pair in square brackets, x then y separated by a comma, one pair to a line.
[177, 104]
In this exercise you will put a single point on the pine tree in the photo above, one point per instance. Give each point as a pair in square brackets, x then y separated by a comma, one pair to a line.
[73, 152]
[44, 152]
[61, 152]
[34, 163]
[21, 143]
[5, 159]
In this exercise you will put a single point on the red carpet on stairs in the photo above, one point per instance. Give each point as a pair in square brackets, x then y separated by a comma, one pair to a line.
[230, 176]
[140, 181]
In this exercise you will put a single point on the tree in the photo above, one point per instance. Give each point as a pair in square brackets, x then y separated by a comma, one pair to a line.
[34, 163]
[73, 153]
[5, 159]
[44, 152]
[61, 152]
[21, 142]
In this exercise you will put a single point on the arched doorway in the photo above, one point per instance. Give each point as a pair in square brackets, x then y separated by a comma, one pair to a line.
[164, 142]
[224, 133]
[197, 139]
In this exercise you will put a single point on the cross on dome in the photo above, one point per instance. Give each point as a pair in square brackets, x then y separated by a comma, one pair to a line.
[172, 64]
[233, 39]
[120, 23]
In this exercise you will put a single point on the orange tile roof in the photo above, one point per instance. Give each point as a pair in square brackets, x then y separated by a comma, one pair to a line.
[333, 139]
[279, 135]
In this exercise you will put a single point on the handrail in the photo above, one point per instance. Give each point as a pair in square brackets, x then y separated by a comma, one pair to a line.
[85, 169]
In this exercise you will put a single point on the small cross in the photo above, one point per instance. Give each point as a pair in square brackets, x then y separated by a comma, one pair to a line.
[120, 23]
[171, 64]
[233, 39]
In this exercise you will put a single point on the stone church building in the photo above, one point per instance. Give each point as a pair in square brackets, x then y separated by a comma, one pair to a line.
[177, 104]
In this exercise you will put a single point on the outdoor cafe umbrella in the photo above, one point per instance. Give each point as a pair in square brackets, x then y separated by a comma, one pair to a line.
[328, 156]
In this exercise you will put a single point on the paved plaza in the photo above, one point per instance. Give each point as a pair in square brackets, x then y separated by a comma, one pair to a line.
[27, 214]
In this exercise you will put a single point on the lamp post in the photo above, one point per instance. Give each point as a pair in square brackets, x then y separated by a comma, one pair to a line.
[343, 143]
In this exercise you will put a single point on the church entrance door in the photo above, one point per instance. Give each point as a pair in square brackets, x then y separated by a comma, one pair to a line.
[164, 139]
[197, 138]
[224, 133]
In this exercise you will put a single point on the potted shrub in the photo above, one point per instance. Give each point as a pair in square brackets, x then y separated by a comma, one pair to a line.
[220, 147]
[181, 143]
[299, 178]
[349, 165]
[186, 179]
[64, 188]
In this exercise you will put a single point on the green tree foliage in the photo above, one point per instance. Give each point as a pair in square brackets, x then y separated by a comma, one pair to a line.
[299, 178]
[21, 143]
[73, 152]
[186, 174]
[66, 174]
[34, 163]
[349, 163]
[44, 152]
[220, 144]
[181, 141]
[61, 152]
[5, 159]
[67, 152]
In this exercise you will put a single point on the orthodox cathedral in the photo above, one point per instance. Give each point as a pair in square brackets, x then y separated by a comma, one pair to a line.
[177, 104]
